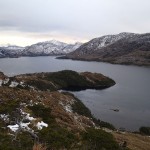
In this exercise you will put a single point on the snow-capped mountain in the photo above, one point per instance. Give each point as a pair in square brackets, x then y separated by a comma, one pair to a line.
[71, 47]
[52, 47]
[122, 48]
[110, 39]
[101, 42]
[11, 51]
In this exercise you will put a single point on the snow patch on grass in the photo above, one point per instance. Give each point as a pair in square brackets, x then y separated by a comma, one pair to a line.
[13, 128]
[4, 117]
[6, 81]
[1, 82]
[41, 124]
[13, 84]
[67, 107]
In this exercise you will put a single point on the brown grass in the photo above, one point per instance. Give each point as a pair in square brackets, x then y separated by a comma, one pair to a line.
[38, 146]
[134, 141]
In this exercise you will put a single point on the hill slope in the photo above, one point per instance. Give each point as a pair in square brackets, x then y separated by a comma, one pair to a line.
[32, 111]
[123, 48]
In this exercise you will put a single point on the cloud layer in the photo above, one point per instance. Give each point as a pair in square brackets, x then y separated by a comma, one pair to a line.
[72, 19]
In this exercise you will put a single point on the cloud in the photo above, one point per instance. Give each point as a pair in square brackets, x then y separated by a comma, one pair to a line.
[76, 18]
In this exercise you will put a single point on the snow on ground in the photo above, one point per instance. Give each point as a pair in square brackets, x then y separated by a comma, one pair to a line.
[29, 118]
[67, 107]
[41, 124]
[1, 82]
[25, 125]
[22, 84]
[21, 125]
[31, 87]
[4, 117]
[27, 115]
[6, 81]
[13, 84]
[13, 128]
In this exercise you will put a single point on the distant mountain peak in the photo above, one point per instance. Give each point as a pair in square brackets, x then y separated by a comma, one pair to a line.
[126, 33]
[52, 47]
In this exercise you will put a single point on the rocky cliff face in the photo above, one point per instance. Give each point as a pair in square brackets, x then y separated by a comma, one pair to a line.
[123, 48]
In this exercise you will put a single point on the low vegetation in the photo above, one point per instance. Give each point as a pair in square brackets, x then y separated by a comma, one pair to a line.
[99, 140]
[67, 80]
[145, 130]
[67, 122]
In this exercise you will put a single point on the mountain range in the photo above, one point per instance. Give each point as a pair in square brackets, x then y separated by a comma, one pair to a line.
[47, 48]
[122, 48]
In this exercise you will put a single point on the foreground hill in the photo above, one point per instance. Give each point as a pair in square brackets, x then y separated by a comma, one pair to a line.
[123, 48]
[34, 112]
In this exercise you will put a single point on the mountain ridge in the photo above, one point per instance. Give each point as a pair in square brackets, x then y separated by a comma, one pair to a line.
[46, 48]
[122, 48]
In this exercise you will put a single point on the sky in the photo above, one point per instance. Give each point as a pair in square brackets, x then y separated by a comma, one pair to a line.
[25, 22]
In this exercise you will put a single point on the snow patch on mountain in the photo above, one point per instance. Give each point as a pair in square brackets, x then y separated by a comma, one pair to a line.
[46, 48]
[108, 40]
[52, 47]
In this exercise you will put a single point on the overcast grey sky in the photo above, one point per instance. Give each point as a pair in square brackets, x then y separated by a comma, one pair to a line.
[24, 22]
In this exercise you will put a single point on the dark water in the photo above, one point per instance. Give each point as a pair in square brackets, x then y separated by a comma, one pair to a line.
[131, 94]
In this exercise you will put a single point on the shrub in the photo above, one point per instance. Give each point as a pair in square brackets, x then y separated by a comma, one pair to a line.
[145, 130]
[43, 112]
[9, 106]
[103, 124]
[57, 137]
[98, 139]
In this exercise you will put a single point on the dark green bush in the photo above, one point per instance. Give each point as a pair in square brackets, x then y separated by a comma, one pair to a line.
[103, 124]
[41, 85]
[9, 106]
[42, 112]
[23, 142]
[81, 109]
[68, 79]
[96, 139]
[57, 137]
[145, 130]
